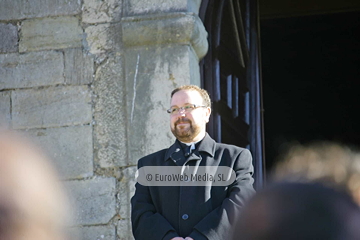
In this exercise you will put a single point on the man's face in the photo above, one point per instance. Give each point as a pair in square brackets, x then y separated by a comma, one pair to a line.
[189, 126]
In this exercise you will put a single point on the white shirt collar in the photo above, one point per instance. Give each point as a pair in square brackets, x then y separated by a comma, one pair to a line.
[192, 144]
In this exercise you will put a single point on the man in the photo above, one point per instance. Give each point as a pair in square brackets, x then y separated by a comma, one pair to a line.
[195, 212]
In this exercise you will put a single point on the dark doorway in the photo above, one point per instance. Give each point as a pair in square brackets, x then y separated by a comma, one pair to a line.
[311, 82]
[230, 72]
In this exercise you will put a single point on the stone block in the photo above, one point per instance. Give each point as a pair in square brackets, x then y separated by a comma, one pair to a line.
[94, 233]
[5, 117]
[124, 231]
[51, 107]
[103, 37]
[100, 11]
[110, 141]
[20, 9]
[151, 75]
[146, 7]
[79, 67]
[32, 69]
[126, 191]
[93, 200]
[50, 33]
[70, 148]
[170, 28]
[8, 38]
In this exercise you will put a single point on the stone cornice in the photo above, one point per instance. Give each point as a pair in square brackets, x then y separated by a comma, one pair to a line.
[170, 28]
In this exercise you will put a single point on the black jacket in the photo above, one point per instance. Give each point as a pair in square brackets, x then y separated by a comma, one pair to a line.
[201, 212]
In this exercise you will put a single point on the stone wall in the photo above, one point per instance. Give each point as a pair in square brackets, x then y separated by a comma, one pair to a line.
[90, 82]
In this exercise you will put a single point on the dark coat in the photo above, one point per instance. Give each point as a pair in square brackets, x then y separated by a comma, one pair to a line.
[201, 212]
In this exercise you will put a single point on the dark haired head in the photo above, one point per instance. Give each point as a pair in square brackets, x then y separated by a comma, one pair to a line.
[299, 211]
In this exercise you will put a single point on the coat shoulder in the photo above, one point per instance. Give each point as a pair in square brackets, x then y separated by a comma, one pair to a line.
[232, 149]
[153, 158]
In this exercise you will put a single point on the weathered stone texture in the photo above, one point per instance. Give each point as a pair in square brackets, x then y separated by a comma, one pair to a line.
[69, 147]
[103, 38]
[50, 33]
[110, 141]
[97, 11]
[5, 116]
[126, 191]
[94, 233]
[145, 7]
[97, 39]
[31, 69]
[51, 107]
[20, 9]
[79, 67]
[124, 230]
[174, 28]
[159, 71]
[8, 38]
[93, 200]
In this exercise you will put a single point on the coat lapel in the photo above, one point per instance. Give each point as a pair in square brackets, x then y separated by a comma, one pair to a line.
[175, 153]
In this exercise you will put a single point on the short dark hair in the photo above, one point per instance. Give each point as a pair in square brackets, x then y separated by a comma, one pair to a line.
[287, 210]
[204, 94]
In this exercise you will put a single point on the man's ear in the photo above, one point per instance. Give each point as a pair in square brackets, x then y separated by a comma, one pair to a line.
[208, 112]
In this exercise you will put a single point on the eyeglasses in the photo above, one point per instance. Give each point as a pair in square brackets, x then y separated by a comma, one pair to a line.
[186, 108]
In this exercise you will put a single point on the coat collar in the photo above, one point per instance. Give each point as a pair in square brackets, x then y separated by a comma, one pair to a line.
[206, 145]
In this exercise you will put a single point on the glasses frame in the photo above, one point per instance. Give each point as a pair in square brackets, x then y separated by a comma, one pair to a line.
[186, 108]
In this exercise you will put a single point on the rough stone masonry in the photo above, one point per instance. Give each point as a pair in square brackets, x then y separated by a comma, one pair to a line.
[88, 80]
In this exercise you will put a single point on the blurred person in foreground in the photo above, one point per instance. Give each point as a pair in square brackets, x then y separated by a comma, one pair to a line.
[329, 163]
[299, 211]
[33, 204]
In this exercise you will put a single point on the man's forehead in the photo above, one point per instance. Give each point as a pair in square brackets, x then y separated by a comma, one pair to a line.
[184, 95]
[183, 99]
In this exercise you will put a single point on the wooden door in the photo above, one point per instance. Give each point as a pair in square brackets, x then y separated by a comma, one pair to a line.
[231, 74]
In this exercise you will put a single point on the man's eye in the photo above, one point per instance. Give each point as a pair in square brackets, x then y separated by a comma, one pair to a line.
[188, 107]
[174, 110]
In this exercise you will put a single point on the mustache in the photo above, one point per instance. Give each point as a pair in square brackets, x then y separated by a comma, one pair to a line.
[182, 120]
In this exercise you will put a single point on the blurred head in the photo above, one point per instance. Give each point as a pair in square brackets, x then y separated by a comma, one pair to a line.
[328, 163]
[190, 110]
[299, 211]
[33, 204]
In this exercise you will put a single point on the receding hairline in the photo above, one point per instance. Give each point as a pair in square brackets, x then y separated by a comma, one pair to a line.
[202, 92]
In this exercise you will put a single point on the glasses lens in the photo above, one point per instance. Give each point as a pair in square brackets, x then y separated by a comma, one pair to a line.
[172, 110]
[188, 108]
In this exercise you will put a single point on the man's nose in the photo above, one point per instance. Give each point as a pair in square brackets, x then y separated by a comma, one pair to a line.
[181, 115]
[182, 112]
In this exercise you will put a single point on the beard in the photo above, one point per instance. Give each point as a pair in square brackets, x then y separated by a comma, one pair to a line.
[185, 134]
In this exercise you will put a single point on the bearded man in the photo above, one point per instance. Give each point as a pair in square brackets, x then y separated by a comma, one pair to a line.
[196, 212]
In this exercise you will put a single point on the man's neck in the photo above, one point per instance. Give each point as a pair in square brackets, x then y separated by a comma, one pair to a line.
[196, 139]
[191, 143]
